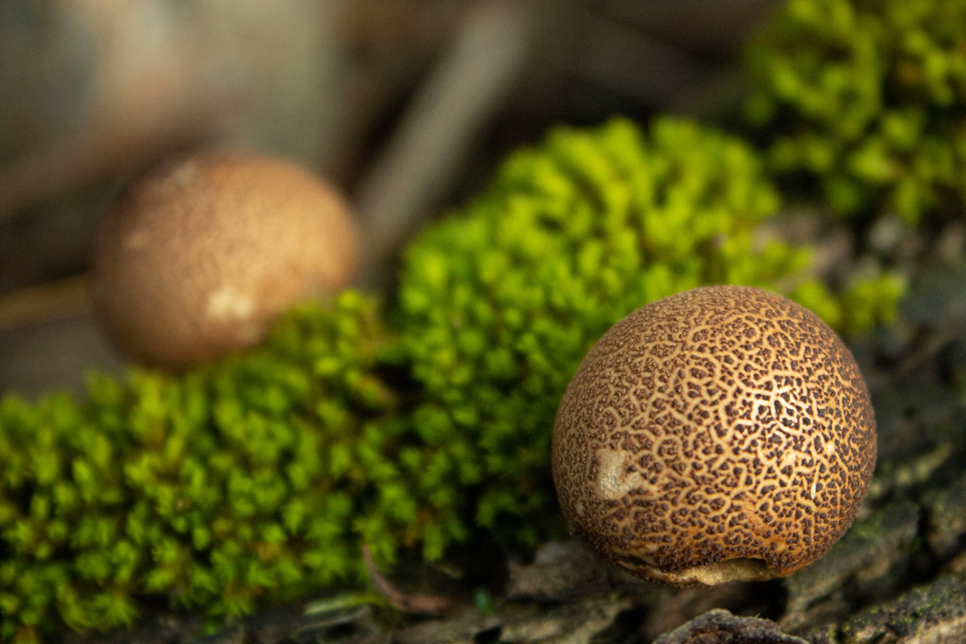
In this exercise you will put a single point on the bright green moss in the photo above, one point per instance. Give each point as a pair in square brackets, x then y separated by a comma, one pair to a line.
[868, 97]
[499, 303]
[257, 477]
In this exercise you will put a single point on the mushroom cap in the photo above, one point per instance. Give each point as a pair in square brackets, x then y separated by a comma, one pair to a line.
[201, 254]
[720, 434]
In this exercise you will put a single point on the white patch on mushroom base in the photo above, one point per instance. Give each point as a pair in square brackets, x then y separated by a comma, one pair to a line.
[721, 572]
[237, 310]
[228, 304]
[614, 480]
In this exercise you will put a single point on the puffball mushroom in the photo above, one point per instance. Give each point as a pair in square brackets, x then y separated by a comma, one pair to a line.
[202, 254]
[720, 434]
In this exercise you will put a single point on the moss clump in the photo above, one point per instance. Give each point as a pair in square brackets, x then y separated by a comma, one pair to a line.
[499, 303]
[868, 97]
[258, 476]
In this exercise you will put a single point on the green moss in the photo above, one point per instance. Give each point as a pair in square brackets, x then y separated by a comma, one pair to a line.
[499, 303]
[868, 97]
[259, 476]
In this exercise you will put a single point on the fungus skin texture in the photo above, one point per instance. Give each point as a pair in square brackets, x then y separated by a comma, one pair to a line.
[203, 253]
[720, 434]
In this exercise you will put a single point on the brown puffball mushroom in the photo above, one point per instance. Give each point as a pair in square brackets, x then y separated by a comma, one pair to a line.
[201, 254]
[720, 434]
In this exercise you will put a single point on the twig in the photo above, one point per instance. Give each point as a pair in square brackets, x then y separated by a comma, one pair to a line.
[44, 302]
[423, 157]
[414, 604]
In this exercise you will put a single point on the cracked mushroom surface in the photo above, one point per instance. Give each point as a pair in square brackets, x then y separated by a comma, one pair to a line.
[724, 433]
[201, 255]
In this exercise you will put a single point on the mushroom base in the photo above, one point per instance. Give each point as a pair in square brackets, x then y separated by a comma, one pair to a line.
[739, 569]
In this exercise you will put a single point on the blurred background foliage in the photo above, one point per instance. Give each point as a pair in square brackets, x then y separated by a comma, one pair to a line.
[866, 99]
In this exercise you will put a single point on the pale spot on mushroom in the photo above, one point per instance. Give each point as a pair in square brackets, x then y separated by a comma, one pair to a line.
[789, 458]
[228, 304]
[136, 240]
[616, 475]
[185, 173]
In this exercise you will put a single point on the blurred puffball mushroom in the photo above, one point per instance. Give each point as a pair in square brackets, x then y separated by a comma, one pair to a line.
[202, 254]
[720, 434]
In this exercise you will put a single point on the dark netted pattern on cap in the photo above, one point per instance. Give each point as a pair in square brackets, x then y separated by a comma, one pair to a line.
[721, 423]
